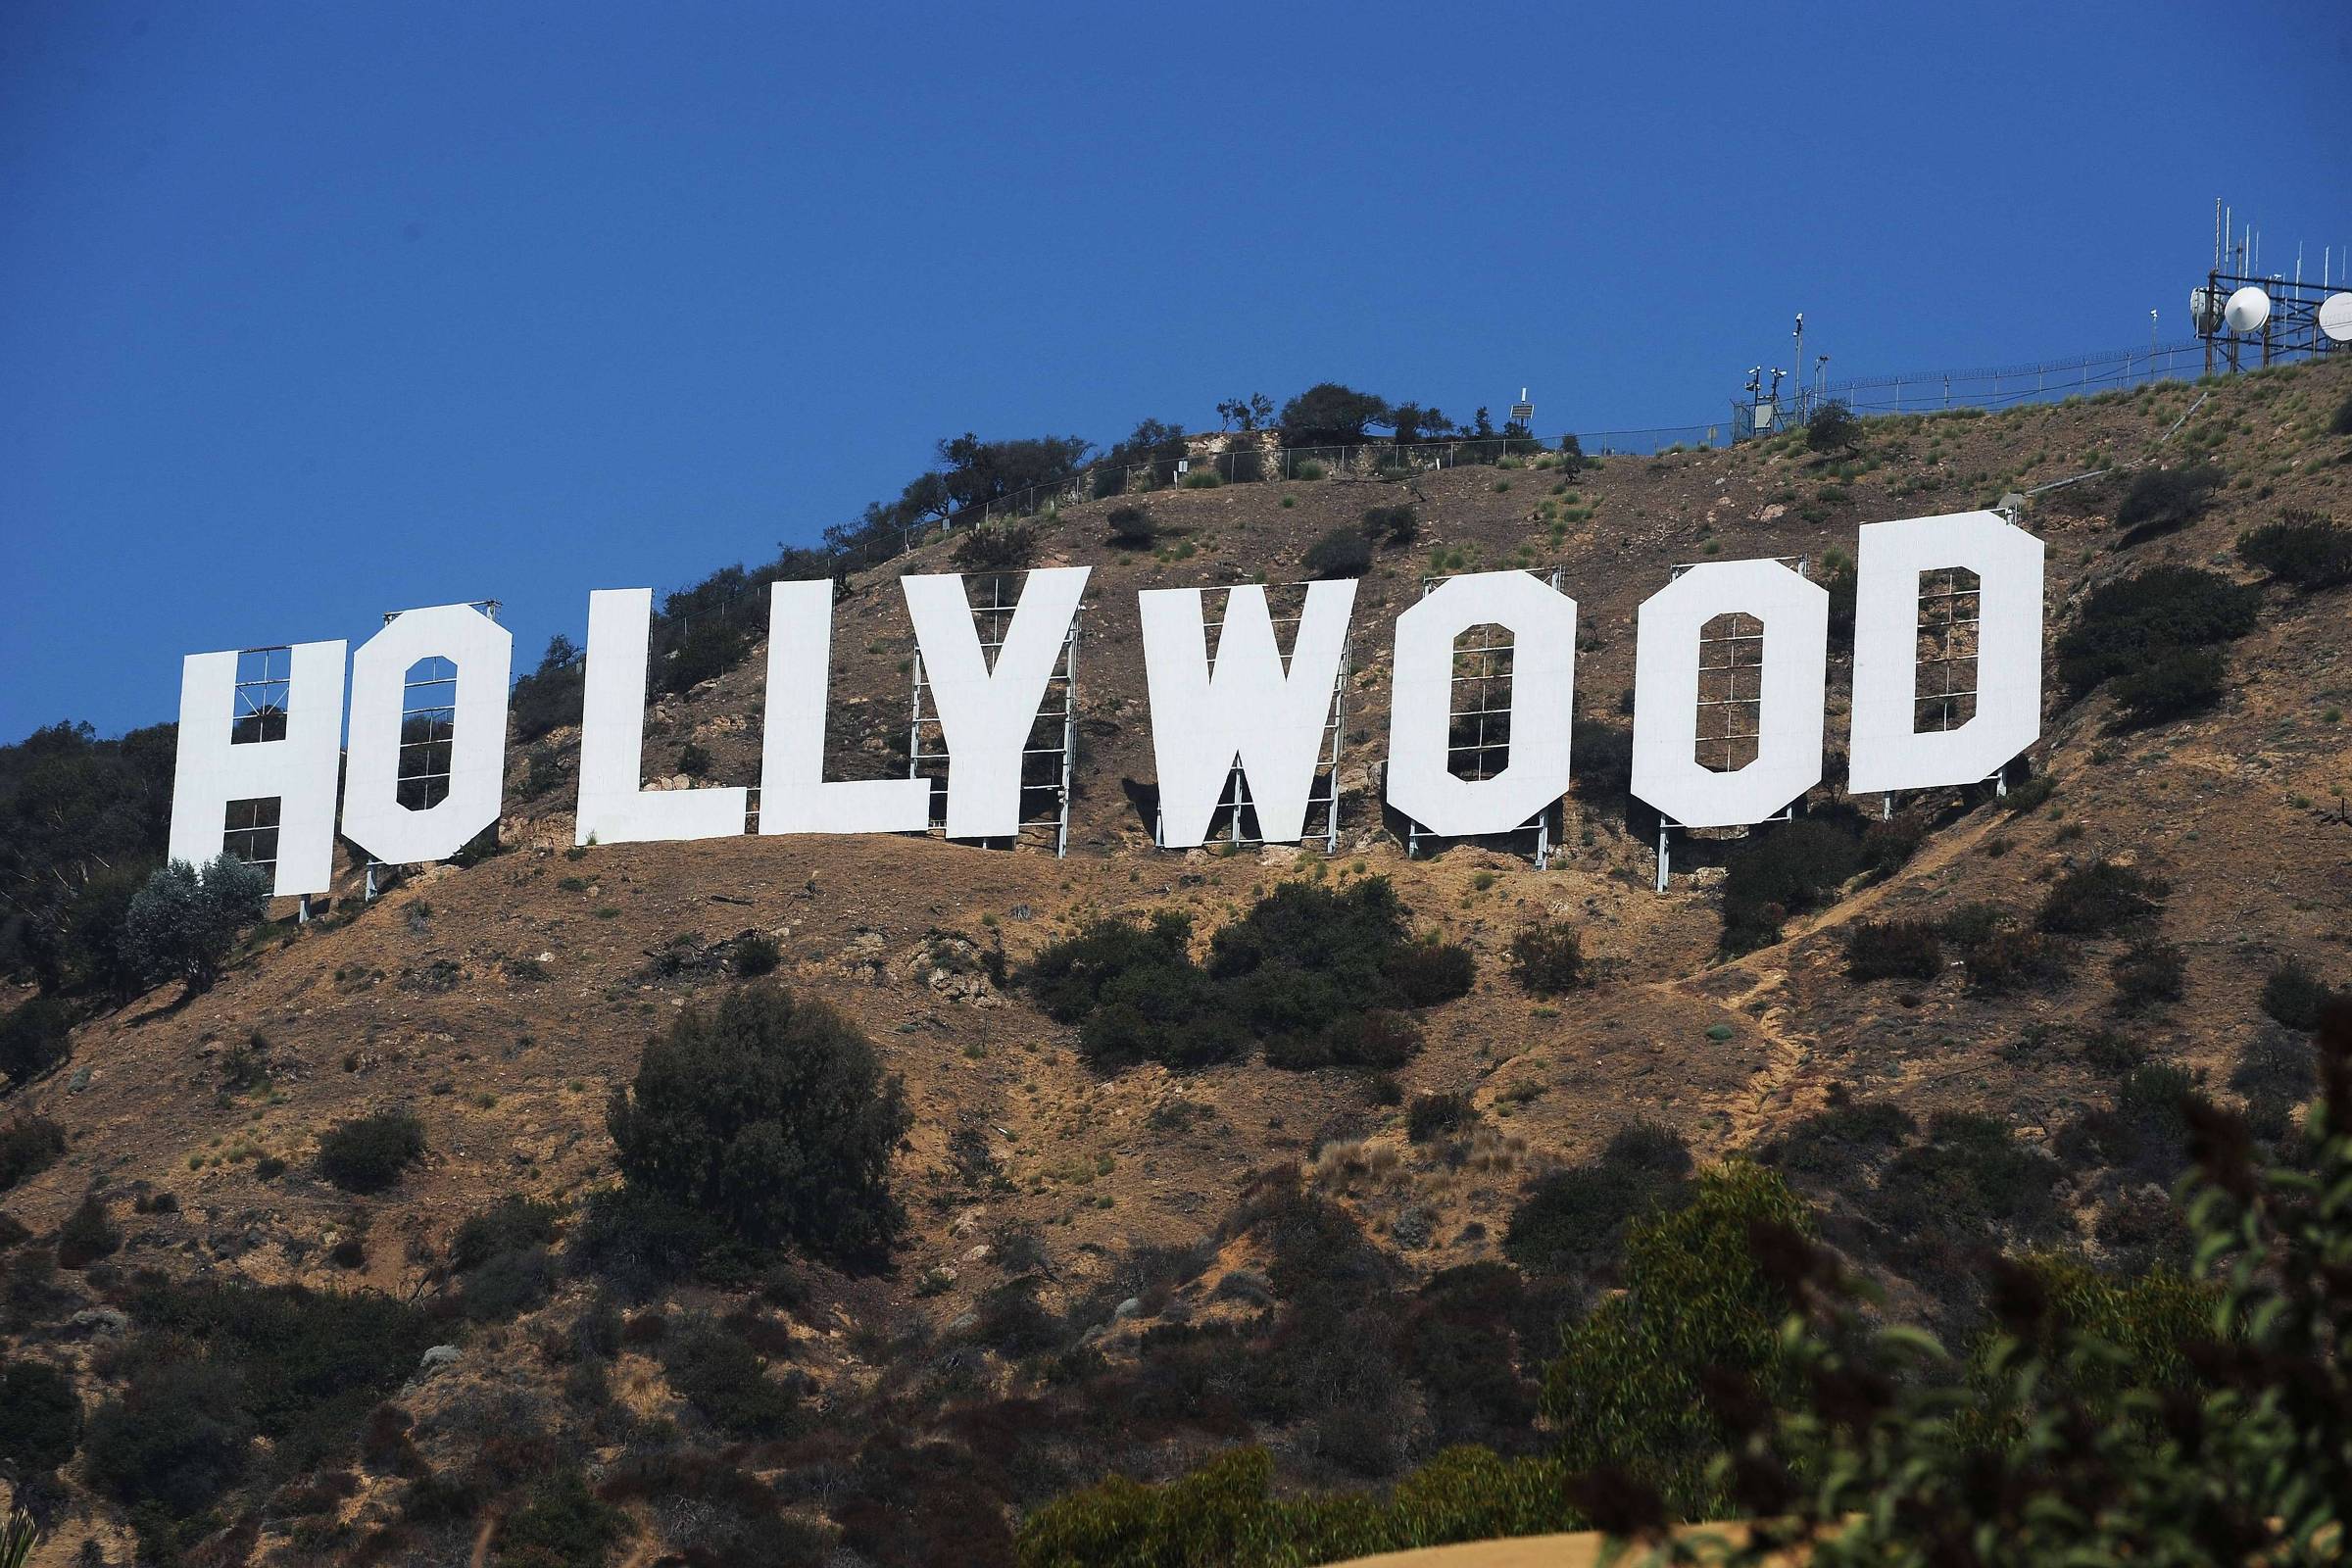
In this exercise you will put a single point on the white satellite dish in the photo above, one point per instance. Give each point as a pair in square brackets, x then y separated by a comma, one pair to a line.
[2247, 309]
[2336, 318]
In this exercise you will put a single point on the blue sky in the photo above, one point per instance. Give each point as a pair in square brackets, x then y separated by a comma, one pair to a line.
[310, 312]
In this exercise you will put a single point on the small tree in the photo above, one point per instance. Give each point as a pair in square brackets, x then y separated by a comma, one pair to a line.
[771, 1115]
[185, 921]
[2301, 548]
[1340, 552]
[1572, 457]
[1833, 428]
[2162, 500]
[1331, 415]
[368, 1154]
[1131, 528]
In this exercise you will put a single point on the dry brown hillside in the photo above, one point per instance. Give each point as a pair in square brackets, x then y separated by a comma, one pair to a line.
[503, 1002]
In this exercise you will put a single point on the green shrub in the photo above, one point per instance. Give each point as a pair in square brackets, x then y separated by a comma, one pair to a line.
[1340, 552]
[1003, 548]
[2290, 993]
[1999, 957]
[176, 1436]
[1630, 1390]
[29, 1146]
[2301, 548]
[41, 1416]
[1836, 1144]
[1394, 527]
[707, 650]
[1784, 870]
[2162, 500]
[562, 1525]
[2125, 624]
[1429, 1115]
[2342, 424]
[34, 1036]
[772, 1115]
[1202, 479]
[1132, 527]
[368, 1154]
[1891, 949]
[86, 1235]
[512, 1222]
[2172, 684]
[727, 1381]
[1832, 428]
[2099, 899]
[1548, 959]
[2147, 974]
[1969, 1184]
[1570, 1221]
[755, 953]
[182, 924]
[1320, 978]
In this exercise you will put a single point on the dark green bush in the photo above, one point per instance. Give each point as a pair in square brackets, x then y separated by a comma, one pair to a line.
[2342, 424]
[512, 1222]
[755, 953]
[86, 1235]
[1320, 978]
[772, 1115]
[727, 1381]
[2301, 548]
[2147, 974]
[2099, 899]
[1394, 527]
[548, 699]
[1836, 1144]
[1570, 1221]
[368, 1154]
[1340, 552]
[29, 1146]
[1999, 956]
[2162, 500]
[1432, 1114]
[34, 1036]
[1132, 527]
[2290, 993]
[1548, 959]
[1004, 546]
[1832, 428]
[1891, 949]
[561, 1524]
[2172, 684]
[41, 1416]
[1785, 870]
[2125, 624]
[176, 1436]
[1968, 1185]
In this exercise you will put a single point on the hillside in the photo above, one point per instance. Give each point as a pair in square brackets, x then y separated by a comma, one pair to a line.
[501, 1003]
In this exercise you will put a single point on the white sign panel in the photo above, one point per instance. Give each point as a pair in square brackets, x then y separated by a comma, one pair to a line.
[1247, 705]
[1542, 625]
[1666, 663]
[985, 714]
[1888, 750]
[794, 796]
[615, 807]
[211, 770]
[483, 653]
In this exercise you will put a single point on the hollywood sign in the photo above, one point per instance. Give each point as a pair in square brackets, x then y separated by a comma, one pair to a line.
[1244, 708]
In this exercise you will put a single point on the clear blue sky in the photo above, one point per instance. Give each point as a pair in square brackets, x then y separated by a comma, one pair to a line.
[312, 310]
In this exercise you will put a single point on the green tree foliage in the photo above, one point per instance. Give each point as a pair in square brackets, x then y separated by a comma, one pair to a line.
[1832, 428]
[770, 1114]
[1893, 949]
[550, 696]
[1226, 1514]
[1630, 1390]
[2301, 548]
[2295, 995]
[78, 815]
[2154, 1422]
[1132, 527]
[368, 1154]
[1328, 413]
[184, 923]
[1000, 547]
[2100, 898]
[562, 1524]
[86, 1235]
[1249, 412]
[2126, 625]
[1394, 527]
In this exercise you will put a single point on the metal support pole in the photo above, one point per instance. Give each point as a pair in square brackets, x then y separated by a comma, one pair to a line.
[1662, 867]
